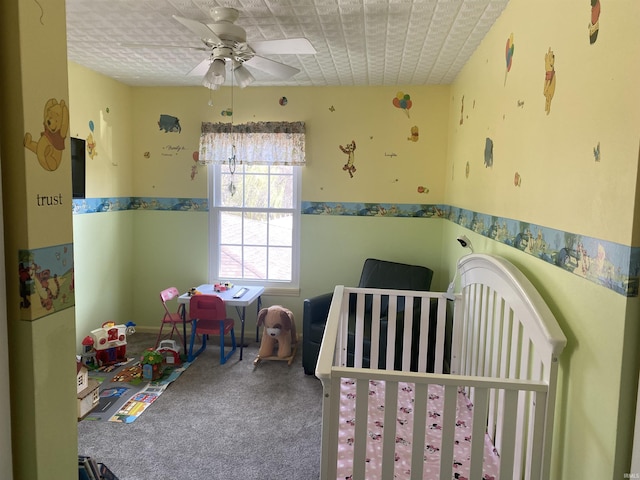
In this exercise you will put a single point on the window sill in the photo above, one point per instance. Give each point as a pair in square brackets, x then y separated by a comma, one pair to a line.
[282, 291]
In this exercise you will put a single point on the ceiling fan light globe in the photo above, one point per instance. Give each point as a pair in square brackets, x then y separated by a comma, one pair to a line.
[218, 67]
[216, 73]
[243, 77]
[211, 86]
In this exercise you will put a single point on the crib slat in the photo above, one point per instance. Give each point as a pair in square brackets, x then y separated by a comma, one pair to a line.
[473, 333]
[507, 315]
[458, 328]
[477, 332]
[374, 356]
[389, 435]
[465, 358]
[522, 408]
[482, 331]
[360, 434]
[514, 360]
[340, 354]
[448, 431]
[425, 321]
[507, 320]
[508, 433]
[536, 429]
[391, 331]
[496, 329]
[489, 338]
[407, 334]
[477, 431]
[419, 427]
[441, 326]
[330, 429]
[359, 331]
[535, 425]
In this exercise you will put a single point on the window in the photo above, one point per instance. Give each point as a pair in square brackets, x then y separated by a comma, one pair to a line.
[254, 203]
[254, 224]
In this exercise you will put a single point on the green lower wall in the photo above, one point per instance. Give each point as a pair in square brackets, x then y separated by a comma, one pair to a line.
[596, 384]
[104, 274]
[124, 259]
[170, 251]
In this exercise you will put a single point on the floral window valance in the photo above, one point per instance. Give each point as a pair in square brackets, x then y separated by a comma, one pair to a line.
[260, 143]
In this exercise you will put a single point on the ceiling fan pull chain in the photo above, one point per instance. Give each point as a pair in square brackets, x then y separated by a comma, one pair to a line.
[232, 158]
[232, 170]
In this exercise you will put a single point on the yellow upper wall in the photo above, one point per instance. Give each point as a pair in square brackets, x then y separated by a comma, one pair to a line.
[595, 103]
[101, 110]
[389, 166]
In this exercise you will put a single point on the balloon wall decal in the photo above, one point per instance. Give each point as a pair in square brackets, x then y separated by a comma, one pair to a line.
[594, 25]
[508, 56]
[403, 101]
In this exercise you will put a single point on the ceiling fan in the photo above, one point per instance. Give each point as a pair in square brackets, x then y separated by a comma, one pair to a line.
[226, 43]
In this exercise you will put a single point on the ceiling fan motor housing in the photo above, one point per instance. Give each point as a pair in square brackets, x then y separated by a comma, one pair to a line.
[229, 31]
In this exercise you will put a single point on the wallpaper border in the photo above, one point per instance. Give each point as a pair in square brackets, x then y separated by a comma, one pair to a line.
[608, 264]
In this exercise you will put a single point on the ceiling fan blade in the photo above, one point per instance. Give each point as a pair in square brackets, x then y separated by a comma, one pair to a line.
[286, 46]
[200, 29]
[201, 69]
[152, 45]
[272, 67]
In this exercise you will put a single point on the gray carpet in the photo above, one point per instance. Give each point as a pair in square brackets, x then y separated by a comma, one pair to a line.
[218, 422]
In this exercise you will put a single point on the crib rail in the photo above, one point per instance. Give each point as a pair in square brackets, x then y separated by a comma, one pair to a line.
[516, 460]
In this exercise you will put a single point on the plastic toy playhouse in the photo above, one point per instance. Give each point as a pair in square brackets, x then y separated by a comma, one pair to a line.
[110, 343]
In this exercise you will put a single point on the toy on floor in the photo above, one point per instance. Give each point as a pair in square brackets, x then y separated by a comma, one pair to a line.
[110, 342]
[152, 364]
[279, 329]
[170, 351]
[89, 353]
[88, 390]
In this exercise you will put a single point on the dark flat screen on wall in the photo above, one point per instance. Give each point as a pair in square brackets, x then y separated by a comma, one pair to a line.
[78, 164]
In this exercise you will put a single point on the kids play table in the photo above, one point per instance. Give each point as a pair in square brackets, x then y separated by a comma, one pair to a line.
[237, 296]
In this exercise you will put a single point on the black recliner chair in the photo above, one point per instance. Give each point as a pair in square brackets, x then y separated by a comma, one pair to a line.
[375, 274]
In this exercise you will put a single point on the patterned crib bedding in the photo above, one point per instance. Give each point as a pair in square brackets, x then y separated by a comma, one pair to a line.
[375, 430]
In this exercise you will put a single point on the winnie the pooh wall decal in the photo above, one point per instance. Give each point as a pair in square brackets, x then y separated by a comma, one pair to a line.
[49, 147]
[549, 79]
[415, 134]
[348, 150]
[91, 146]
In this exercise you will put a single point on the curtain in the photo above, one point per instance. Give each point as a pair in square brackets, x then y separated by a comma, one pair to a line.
[260, 143]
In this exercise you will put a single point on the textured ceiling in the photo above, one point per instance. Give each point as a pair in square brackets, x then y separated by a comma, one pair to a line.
[358, 42]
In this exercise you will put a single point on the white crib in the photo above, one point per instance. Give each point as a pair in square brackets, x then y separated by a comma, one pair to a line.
[504, 349]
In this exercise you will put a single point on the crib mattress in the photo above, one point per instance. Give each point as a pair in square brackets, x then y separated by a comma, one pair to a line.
[375, 430]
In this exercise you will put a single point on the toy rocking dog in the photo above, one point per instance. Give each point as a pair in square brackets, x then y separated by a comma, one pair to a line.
[279, 328]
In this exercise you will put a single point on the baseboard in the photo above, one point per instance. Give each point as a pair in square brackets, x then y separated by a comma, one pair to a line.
[145, 329]
[248, 339]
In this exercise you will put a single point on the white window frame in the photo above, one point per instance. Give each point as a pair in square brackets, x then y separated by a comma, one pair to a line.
[273, 287]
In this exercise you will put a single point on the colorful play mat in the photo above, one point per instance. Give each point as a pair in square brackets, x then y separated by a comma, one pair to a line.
[125, 394]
